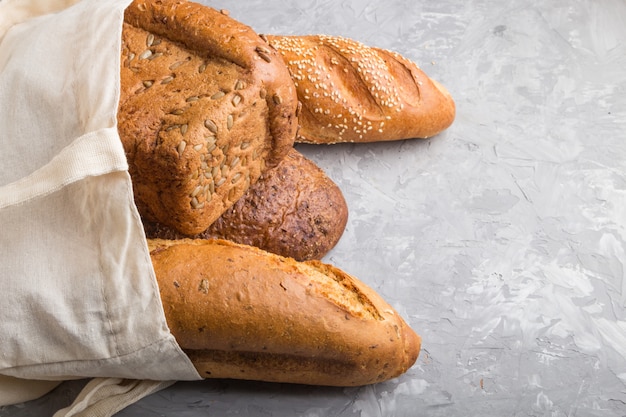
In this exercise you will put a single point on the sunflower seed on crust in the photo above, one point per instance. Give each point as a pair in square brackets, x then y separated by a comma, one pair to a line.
[145, 54]
[210, 99]
[181, 147]
[210, 124]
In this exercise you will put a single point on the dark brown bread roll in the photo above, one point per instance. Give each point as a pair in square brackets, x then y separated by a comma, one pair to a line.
[294, 210]
[240, 312]
[354, 93]
[205, 107]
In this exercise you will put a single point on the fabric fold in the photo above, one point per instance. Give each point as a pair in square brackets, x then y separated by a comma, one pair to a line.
[95, 153]
[103, 397]
[79, 296]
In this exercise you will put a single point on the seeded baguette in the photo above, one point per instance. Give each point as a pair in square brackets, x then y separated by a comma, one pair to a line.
[205, 107]
[354, 93]
[294, 210]
[240, 312]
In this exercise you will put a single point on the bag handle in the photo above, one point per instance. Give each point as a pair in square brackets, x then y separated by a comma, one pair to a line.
[95, 153]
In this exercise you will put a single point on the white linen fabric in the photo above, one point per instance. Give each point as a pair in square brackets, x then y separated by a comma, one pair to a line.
[79, 297]
[103, 397]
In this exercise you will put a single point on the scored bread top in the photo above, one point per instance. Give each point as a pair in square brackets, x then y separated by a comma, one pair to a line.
[354, 93]
[253, 275]
[320, 279]
[206, 106]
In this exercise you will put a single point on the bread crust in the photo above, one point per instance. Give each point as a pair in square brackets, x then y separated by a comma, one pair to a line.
[294, 210]
[240, 312]
[205, 107]
[354, 93]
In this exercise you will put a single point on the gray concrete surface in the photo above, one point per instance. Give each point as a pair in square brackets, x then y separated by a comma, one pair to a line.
[502, 241]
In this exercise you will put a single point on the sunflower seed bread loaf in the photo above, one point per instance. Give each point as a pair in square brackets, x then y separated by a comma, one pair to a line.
[354, 93]
[294, 210]
[206, 105]
[240, 312]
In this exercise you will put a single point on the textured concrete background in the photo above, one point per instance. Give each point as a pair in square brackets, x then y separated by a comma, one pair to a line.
[502, 241]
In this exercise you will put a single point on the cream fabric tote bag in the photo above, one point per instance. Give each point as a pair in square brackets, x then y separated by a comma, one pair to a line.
[78, 294]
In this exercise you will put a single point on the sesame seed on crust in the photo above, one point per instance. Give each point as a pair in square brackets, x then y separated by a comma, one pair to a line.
[340, 76]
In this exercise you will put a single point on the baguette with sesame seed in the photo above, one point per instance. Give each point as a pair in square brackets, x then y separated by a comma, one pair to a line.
[354, 93]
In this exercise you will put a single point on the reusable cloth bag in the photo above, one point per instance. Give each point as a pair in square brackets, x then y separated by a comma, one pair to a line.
[78, 295]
